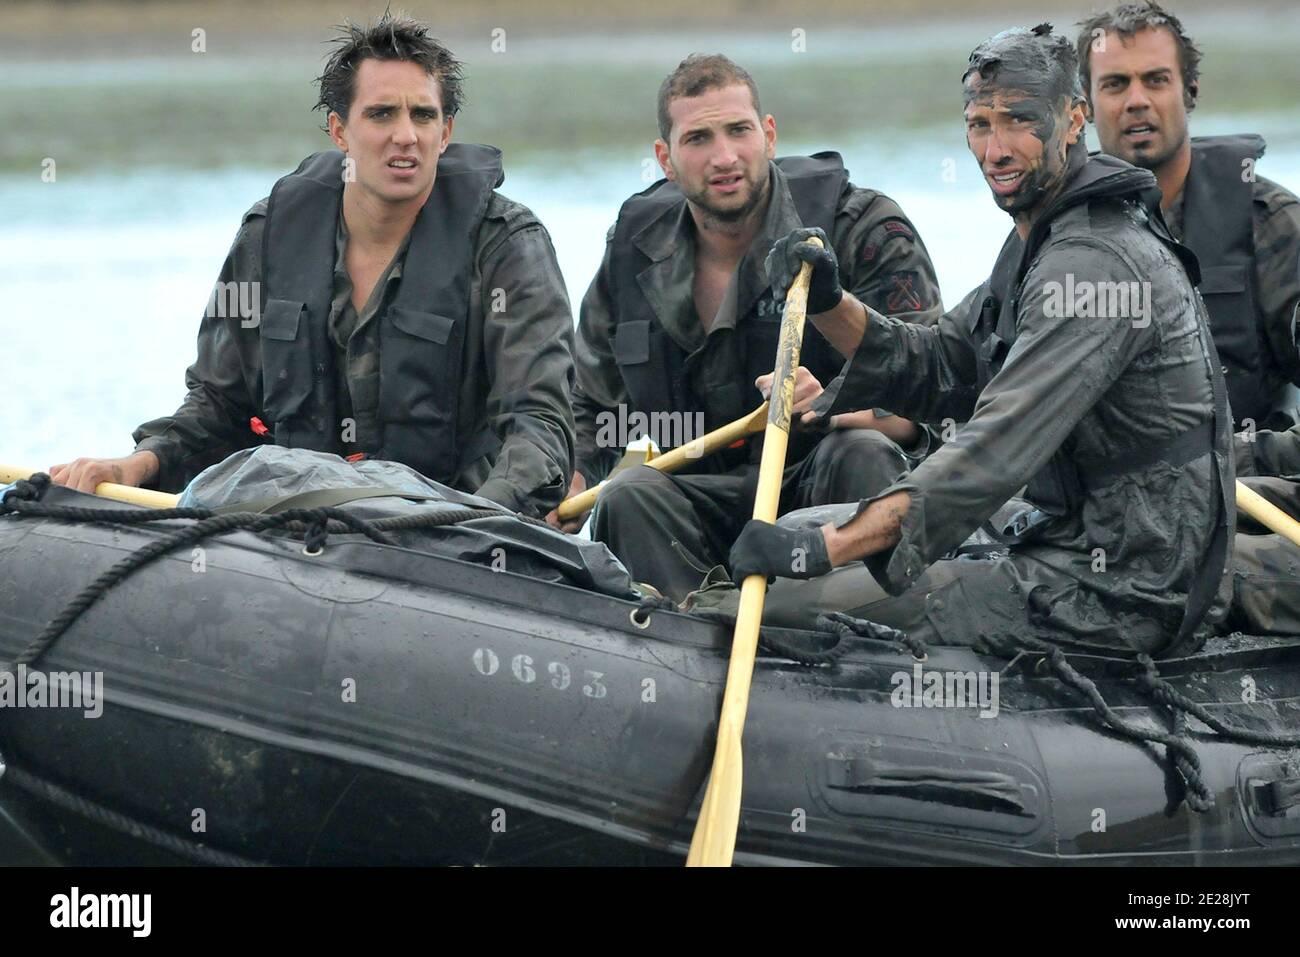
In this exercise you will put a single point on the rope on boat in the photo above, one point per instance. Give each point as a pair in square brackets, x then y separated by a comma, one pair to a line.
[835, 624]
[318, 523]
[69, 801]
[1178, 746]
[1175, 700]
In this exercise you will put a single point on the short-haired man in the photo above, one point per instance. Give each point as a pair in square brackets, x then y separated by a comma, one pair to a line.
[1115, 418]
[680, 320]
[1141, 77]
[400, 307]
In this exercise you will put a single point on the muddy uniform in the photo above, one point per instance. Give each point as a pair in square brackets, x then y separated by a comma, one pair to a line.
[1110, 422]
[641, 346]
[1266, 567]
[1245, 231]
[459, 365]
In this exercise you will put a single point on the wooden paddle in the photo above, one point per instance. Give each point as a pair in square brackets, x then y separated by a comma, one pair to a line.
[1267, 514]
[122, 493]
[672, 460]
[715, 830]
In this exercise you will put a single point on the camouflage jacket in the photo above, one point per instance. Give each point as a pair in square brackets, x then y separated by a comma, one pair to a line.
[883, 262]
[517, 361]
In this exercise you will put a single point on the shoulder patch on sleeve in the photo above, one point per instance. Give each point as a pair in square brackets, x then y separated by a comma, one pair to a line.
[897, 227]
[902, 292]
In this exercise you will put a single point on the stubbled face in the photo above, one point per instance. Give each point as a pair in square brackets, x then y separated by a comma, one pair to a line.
[1137, 96]
[1020, 141]
[395, 130]
[718, 151]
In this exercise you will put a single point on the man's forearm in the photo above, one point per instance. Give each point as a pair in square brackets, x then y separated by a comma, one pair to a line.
[844, 325]
[878, 527]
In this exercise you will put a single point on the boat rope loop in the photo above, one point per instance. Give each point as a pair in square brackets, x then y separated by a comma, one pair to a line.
[1177, 745]
[1178, 702]
[318, 523]
[870, 629]
[843, 627]
[836, 624]
[69, 801]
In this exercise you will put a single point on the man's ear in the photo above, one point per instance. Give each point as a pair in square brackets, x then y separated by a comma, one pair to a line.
[446, 134]
[1190, 93]
[1087, 110]
[336, 130]
[769, 134]
[665, 161]
[1078, 114]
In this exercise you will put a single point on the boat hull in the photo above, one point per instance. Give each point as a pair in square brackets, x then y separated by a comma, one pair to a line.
[379, 705]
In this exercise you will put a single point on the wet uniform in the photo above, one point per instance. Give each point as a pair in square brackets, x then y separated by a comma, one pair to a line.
[642, 346]
[1110, 422]
[1245, 231]
[477, 388]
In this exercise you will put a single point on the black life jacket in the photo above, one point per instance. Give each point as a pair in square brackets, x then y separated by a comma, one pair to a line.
[421, 332]
[1057, 489]
[654, 367]
[1219, 227]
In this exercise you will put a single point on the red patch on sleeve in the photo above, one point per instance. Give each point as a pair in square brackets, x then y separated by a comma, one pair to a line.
[903, 296]
[900, 229]
[869, 252]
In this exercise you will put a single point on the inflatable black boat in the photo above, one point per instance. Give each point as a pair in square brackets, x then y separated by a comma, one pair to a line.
[351, 702]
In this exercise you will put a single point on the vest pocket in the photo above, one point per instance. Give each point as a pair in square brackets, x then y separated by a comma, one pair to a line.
[286, 360]
[419, 390]
[632, 342]
[418, 381]
[1223, 279]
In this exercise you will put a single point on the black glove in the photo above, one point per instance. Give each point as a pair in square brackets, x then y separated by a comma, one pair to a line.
[764, 549]
[789, 254]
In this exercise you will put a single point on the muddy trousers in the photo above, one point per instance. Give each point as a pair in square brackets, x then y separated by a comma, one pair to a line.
[1266, 568]
[670, 530]
[980, 601]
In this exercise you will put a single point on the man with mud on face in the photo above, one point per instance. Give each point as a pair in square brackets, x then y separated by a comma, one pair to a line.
[1083, 369]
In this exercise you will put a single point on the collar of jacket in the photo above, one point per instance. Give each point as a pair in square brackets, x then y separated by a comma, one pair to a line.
[669, 243]
[1090, 177]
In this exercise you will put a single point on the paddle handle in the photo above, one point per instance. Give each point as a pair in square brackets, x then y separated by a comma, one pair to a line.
[714, 841]
[1267, 514]
[122, 493]
[674, 459]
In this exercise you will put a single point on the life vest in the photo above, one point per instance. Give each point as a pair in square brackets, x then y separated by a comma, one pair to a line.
[1218, 226]
[421, 333]
[653, 366]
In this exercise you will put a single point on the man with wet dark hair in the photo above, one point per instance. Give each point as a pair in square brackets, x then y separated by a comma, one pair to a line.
[385, 301]
[1141, 76]
[1083, 369]
[680, 324]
